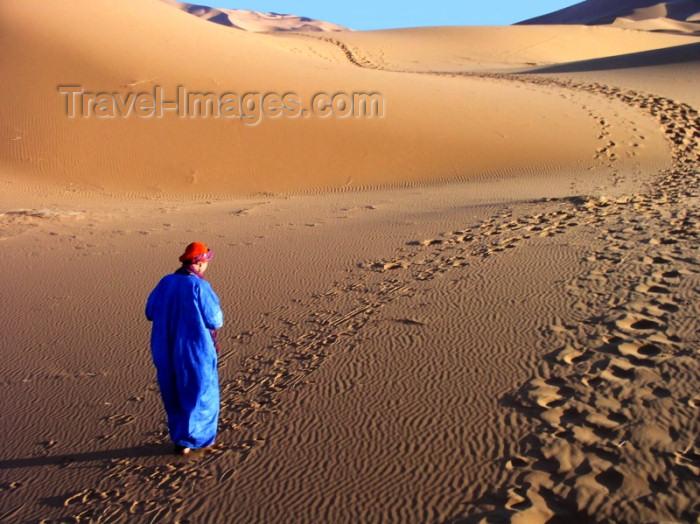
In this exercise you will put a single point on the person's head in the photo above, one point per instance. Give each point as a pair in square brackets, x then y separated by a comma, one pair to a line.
[197, 255]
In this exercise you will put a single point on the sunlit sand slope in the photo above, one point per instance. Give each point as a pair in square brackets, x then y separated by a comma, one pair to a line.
[431, 128]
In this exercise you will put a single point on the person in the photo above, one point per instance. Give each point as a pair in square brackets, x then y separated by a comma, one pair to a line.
[186, 313]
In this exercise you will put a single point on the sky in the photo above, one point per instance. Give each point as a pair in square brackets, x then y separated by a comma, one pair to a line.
[380, 14]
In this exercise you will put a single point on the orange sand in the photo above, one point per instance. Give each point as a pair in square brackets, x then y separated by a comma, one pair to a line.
[481, 306]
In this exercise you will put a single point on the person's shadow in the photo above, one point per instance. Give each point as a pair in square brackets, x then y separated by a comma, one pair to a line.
[146, 450]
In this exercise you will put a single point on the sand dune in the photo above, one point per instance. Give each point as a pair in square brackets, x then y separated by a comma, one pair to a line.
[495, 49]
[676, 16]
[255, 21]
[225, 156]
[481, 307]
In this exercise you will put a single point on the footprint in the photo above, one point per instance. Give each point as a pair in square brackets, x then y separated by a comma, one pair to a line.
[639, 350]
[619, 369]
[387, 266]
[653, 288]
[665, 306]
[658, 308]
[571, 355]
[611, 478]
[119, 420]
[634, 322]
[662, 241]
[517, 462]
[427, 242]
[545, 394]
[690, 460]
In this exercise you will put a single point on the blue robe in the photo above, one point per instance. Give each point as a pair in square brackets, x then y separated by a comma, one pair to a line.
[184, 308]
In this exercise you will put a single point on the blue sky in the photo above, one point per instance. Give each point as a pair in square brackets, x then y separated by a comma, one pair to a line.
[377, 14]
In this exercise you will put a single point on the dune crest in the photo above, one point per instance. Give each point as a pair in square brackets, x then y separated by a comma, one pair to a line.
[675, 16]
[255, 21]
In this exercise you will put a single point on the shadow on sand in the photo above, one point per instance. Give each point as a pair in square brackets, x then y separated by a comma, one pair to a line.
[668, 56]
[147, 450]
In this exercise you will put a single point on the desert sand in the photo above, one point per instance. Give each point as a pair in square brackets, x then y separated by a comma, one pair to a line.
[480, 307]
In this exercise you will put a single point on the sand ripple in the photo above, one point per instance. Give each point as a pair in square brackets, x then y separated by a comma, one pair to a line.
[605, 424]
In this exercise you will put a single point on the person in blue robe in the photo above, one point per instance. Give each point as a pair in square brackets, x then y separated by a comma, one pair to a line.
[186, 313]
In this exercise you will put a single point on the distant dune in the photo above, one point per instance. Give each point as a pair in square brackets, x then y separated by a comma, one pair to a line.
[255, 21]
[676, 16]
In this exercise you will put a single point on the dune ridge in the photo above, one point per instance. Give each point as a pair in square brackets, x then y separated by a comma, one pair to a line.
[255, 21]
[676, 16]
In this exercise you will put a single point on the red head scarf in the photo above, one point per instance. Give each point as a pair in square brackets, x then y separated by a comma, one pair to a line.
[196, 252]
